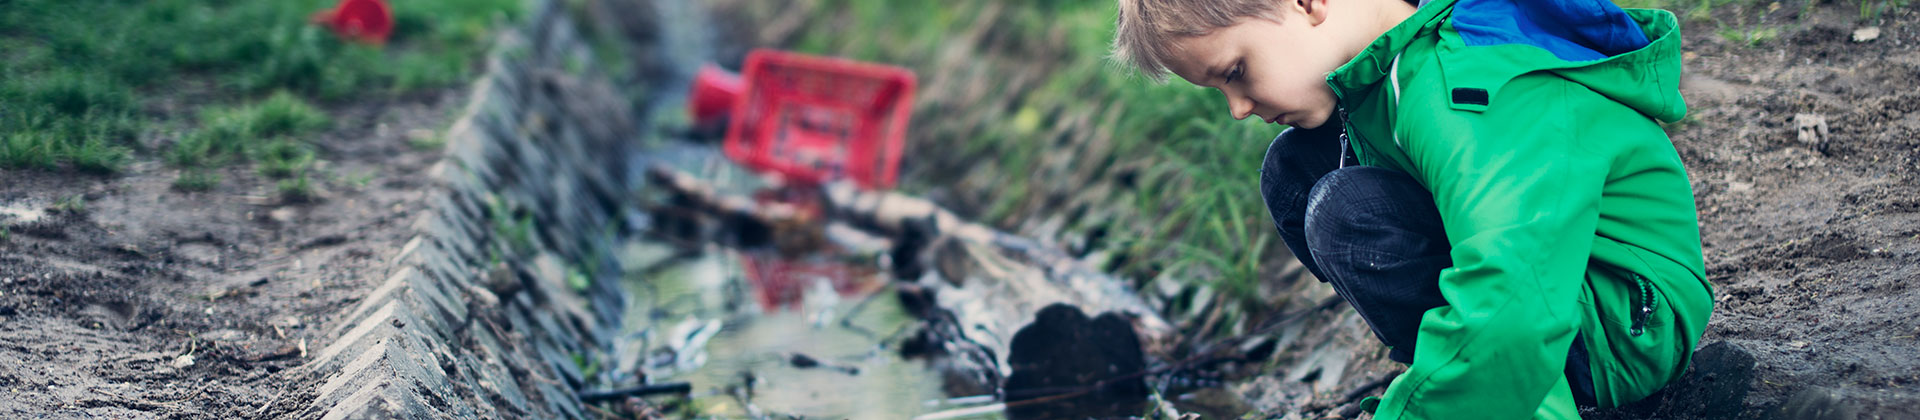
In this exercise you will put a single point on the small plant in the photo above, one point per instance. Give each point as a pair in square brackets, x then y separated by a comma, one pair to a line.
[1751, 37]
[75, 93]
[96, 155]
[362, 180]
[284, 158]
[29, 149]
[296, 189]
[283, 114]
[196, 180]
[426, 141]
[72, 204]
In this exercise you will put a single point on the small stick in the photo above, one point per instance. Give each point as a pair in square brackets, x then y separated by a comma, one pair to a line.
[638, 391]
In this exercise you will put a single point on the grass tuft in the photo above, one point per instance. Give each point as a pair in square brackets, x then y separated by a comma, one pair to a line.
[285, 158]
[296, 189]
[193, 180]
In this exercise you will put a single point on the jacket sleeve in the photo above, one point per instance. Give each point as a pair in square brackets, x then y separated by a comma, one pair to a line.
[1518, 194]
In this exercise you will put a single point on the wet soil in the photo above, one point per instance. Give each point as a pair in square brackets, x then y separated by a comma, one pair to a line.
[1812, 242]
[148, 302]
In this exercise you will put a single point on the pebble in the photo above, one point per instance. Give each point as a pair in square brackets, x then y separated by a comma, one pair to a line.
[183, 361]
[1866, 34]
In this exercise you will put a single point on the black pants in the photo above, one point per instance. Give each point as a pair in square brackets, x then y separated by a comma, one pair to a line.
[1374, 234]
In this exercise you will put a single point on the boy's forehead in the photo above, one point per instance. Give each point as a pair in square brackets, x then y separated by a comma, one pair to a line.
[1194, 56]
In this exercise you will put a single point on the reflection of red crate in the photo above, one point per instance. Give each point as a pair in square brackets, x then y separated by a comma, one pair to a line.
[817, 119]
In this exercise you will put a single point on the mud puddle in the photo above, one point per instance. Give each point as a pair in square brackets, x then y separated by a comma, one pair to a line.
[760, 335]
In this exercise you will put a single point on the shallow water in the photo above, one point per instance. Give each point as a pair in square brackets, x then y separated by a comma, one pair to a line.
[701, 318]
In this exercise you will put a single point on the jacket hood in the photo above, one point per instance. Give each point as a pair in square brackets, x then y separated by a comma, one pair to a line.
[1629, 55]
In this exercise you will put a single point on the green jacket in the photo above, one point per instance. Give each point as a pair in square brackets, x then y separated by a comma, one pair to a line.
[1566, 204]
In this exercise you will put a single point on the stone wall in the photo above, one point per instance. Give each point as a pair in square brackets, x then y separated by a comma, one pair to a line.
[509, 286]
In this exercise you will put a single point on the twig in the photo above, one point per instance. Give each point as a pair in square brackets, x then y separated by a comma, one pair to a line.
[638, 391]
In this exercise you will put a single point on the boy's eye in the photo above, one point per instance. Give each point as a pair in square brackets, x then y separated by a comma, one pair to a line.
[1233, 74]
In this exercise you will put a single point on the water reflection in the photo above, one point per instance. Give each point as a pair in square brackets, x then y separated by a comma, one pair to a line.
[762, 336]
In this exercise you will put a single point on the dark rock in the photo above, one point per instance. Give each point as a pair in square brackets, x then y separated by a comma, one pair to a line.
[1064, 353]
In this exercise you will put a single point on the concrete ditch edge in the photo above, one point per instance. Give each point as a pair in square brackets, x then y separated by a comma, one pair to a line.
[484, 314]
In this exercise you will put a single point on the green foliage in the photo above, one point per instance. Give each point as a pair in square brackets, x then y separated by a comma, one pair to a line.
[298, 188]
[285, 158]
[196, 180]
[100, 156]
[227, 134]
[72, 204]
[282, 114]
[74, 73]
[29, 149]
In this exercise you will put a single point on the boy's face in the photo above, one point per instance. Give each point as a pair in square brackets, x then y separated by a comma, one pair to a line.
[1272, 69]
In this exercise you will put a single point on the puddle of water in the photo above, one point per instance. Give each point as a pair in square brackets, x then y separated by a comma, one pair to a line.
[735, 317]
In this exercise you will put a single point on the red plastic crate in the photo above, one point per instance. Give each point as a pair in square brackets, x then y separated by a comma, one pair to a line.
[817, 119]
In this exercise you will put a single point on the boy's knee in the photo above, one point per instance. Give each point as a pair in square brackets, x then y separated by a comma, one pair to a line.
[1358, 198]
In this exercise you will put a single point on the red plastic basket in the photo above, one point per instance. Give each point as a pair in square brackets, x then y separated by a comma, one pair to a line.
[817, 119]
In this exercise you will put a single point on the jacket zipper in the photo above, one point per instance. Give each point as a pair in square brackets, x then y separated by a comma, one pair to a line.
[1643, 306]
[1345, 127]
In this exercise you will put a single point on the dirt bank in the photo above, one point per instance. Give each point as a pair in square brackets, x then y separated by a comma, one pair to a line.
[135, 300]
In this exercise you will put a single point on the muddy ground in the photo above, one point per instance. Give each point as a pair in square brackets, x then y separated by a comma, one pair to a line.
[1812, 245]
[148, 302]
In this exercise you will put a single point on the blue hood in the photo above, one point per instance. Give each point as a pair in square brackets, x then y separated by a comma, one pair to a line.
[1573, 30]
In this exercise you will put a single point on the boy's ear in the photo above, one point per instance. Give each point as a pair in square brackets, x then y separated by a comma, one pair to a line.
[1315, 10]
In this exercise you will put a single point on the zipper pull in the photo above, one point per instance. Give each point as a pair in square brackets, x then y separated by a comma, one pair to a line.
[1645, 310]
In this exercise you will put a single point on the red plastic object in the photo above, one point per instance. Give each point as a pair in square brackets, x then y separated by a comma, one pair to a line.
[817, 119]
[715, 93]
[368, 21]
[781, 283]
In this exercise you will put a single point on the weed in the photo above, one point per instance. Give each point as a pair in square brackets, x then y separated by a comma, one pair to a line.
[196, 180]
[96, 155]
[578, 280]
[227, 134]
[1751, 37]
[284, 158]
[296, 189]
[29, 149]
[515, 228]
[427, 141]
[363, 179]
[72, 204]
[76, 93]
[283, 114]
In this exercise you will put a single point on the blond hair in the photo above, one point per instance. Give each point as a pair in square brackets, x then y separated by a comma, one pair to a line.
[1146, 29]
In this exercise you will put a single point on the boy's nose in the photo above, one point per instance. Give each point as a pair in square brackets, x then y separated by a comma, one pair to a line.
[1240, 106]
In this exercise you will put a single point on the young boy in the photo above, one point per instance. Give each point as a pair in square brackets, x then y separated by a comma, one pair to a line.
[1485, 181]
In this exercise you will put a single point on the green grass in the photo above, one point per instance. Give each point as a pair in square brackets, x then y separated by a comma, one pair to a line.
[297, 188]
[193, 180]
[77, 76]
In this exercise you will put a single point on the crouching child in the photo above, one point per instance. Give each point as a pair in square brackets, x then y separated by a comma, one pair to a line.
[1485, 181]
